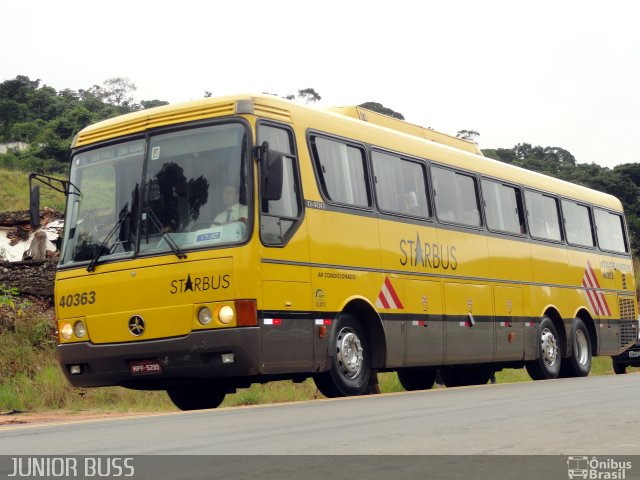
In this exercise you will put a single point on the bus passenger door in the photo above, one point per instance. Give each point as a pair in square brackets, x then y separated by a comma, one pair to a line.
[509, 323]
[424, 331]
[285, 312]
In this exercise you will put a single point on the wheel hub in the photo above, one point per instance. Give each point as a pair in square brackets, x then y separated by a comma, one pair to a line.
[582, 348]
[349, 353]
[549, 347]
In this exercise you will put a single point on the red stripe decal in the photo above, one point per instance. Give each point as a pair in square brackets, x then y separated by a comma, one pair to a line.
[383, 300]
[393, 293]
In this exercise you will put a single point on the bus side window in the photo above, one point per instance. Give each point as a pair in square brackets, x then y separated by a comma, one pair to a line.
[577, 224]
[610, 231]
[456, 197]
[341, 171]
[400, 185]
[543, 214]
[279, 218]
[503, 207]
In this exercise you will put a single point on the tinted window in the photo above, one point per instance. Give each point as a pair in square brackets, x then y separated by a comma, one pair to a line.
[342, 171]
[610, 231]
[542, 213]
[577, 224]
[456, 197]
[279, 217]
[401, 185]
[278, 138]
[503, 207]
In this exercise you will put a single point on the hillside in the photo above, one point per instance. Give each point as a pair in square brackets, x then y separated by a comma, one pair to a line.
[14, 194]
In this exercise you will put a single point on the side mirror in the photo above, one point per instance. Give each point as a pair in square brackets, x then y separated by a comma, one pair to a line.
[271, 173]
[34, 207]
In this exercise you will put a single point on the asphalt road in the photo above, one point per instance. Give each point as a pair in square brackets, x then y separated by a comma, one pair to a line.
[583, 416]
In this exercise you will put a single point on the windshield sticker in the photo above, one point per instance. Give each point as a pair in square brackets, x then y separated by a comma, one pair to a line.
[155, 153]
[208, 237]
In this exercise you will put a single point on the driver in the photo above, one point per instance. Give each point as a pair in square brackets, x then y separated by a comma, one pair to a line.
[233, 210]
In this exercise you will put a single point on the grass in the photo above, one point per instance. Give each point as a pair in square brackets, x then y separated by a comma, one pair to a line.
[14, 194]
[47, 389]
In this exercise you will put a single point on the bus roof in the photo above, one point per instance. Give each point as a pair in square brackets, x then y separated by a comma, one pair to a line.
[375, 129]
[406, 127]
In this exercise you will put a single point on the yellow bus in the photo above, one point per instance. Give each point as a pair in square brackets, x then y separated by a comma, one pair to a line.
[244, 239]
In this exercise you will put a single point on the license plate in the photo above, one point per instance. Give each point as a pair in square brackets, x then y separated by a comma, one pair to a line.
[145, 367]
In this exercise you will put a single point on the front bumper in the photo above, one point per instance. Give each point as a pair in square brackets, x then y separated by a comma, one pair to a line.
[630, 357]
[194, 356]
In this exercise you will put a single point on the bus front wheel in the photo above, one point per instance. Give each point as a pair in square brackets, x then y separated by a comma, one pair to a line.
[417, 378]
[547, 365]
[197, 396]
[619, 368]
[350, 370]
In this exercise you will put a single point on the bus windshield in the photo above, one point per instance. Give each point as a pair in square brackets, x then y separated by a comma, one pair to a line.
[194, 194]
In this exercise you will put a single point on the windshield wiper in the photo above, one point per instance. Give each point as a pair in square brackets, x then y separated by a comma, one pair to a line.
[165, 235]
[102, 248]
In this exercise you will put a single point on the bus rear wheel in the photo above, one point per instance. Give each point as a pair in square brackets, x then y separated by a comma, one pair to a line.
[547, 365]
[350, 370]
[197, 396]
[417, 378]
[578, 364]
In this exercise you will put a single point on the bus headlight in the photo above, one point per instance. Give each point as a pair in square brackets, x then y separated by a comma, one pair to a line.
[66, 331]
[205, 316]
[79, 329]
[225, 314]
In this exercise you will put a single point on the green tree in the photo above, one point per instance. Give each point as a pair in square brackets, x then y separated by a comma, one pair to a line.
[26, 131]
[378, 107]
[309, 95]
[145, 104]
[10, 113]
[118, 91]
[468, 135]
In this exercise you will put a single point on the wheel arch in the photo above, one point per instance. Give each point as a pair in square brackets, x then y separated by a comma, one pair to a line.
[366, 314]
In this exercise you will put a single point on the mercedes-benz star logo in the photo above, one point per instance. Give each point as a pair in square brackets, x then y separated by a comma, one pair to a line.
[136, 325]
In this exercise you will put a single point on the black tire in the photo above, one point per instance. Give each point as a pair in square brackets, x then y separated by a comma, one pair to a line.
[578, 364]
[549, 361]
[197, 396]
[417, 378]
[464, 376]
[619, 368]
[350, 370]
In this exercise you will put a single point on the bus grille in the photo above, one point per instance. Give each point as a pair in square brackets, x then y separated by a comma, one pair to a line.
[627, 311]
[628, 322]
[628, 332]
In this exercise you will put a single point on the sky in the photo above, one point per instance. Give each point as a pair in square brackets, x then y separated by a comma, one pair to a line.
[559, 73]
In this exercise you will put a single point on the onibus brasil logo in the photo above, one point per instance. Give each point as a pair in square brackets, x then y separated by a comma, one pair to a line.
[593, 468]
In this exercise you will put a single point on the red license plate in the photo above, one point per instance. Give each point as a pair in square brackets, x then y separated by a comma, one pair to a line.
[145, 367]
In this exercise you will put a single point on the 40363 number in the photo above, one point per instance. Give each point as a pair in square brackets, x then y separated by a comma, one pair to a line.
[77, 299]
